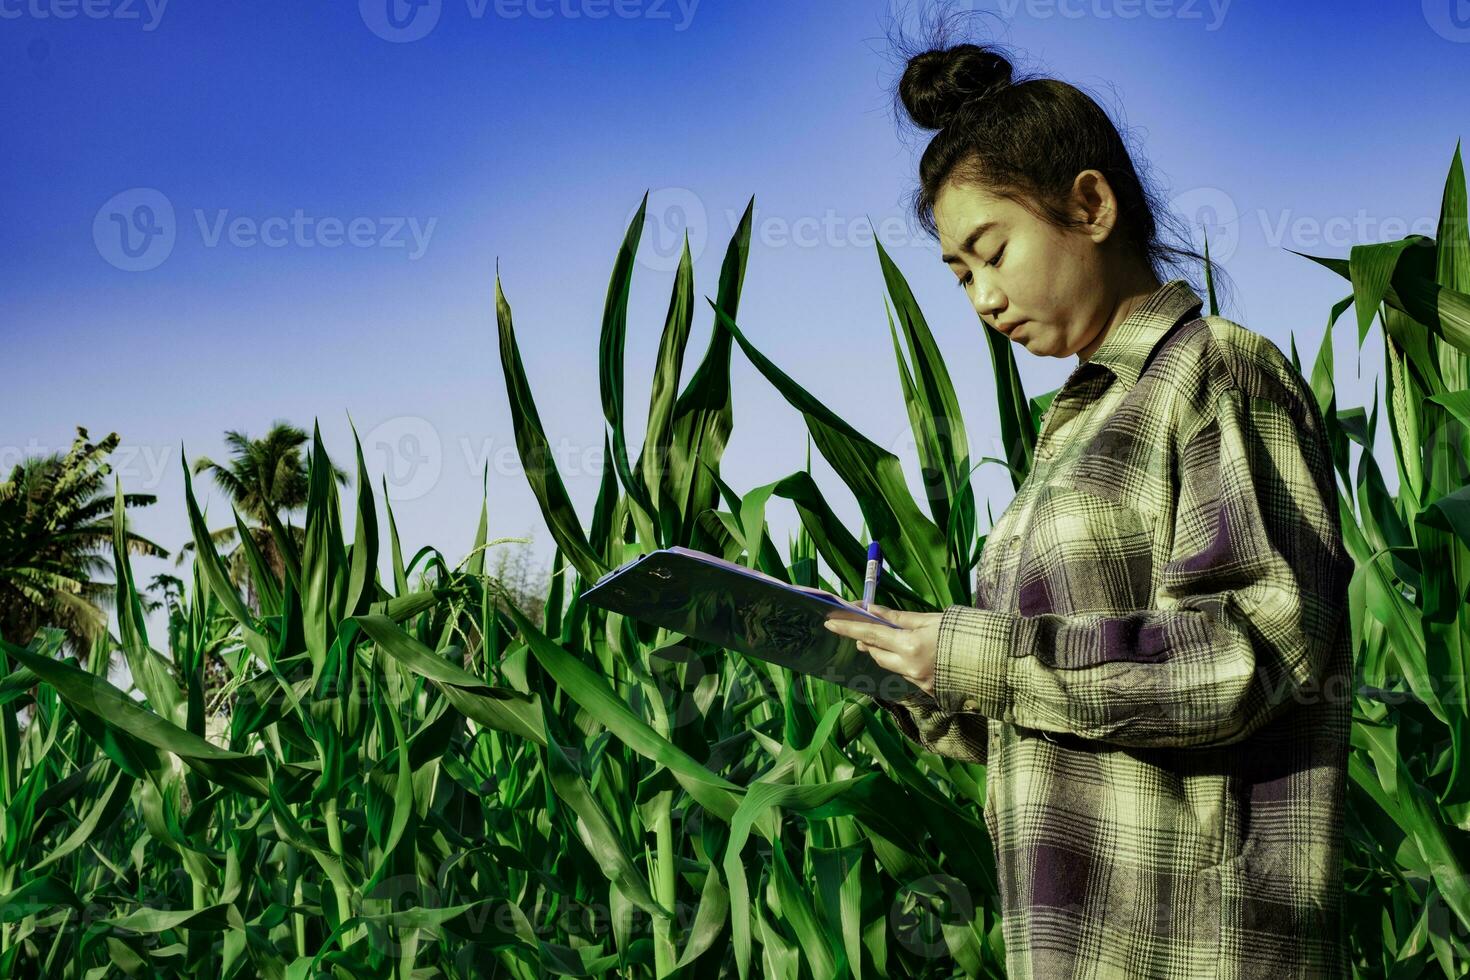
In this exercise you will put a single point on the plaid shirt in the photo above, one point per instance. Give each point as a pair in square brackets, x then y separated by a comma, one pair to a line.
[1157, 669]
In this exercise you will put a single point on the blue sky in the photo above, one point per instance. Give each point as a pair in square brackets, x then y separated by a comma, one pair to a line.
[318, 194]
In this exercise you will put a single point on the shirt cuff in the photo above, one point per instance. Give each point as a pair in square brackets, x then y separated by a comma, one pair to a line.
[916, 699]
[971, 659]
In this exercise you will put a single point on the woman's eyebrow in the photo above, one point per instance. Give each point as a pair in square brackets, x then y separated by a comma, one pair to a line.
[969, 242]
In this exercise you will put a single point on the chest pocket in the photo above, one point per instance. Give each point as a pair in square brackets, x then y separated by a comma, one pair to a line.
[998, 558]
[1083, 552]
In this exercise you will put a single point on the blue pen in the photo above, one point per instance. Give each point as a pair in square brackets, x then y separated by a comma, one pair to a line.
[870, 577]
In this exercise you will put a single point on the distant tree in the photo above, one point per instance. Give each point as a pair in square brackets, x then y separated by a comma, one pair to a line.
[266, 475]
[170, 586]
[55, 542]
[171, 590]
[524, 581]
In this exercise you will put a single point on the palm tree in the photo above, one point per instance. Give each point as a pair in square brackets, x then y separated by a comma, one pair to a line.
[172, 588]
[266, 475]
[55, 537]
[172, 591]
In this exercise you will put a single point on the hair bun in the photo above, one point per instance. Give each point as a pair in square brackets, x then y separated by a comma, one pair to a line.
[938, 83]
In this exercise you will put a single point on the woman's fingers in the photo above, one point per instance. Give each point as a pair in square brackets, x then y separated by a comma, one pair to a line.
[907, 650]
[877, 641]
[865, 632]
[894, 616]
[892, 649]
[898, 617]
[889, 660]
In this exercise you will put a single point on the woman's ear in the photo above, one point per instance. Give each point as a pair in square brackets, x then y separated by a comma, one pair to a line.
[1094, 202]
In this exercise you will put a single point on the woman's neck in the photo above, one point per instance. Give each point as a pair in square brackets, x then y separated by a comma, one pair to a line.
[1131, 297]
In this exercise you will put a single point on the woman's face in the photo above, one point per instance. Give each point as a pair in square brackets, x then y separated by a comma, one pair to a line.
[1043, 287]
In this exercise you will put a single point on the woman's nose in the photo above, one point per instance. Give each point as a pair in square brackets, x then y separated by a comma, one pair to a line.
[988, 303]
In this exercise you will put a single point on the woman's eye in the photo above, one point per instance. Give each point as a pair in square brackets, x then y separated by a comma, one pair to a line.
[964, 280]
[996, 261]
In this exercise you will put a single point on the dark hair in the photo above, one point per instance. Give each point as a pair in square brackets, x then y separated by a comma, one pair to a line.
[1026, 140]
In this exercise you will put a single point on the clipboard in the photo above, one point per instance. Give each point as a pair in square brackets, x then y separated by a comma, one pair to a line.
[738, 608]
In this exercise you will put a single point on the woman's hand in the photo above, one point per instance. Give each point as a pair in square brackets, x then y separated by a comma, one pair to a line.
[908, 651]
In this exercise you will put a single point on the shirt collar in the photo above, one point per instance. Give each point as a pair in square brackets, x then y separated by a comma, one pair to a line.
[1126, 348]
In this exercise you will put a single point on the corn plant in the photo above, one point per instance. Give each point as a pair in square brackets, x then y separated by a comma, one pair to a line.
[414, 778]
[1410, 768]
[420, 779]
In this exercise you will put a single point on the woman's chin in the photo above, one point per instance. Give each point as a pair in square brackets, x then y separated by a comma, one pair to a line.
[1039, 346]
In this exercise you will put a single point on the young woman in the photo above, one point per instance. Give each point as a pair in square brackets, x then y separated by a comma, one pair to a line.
[1156, 669]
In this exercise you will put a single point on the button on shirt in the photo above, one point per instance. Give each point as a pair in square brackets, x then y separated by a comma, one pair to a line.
[1156, 672]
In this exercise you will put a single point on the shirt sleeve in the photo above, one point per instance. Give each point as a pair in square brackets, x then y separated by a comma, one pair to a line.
[1249, 605]
[958, 735]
